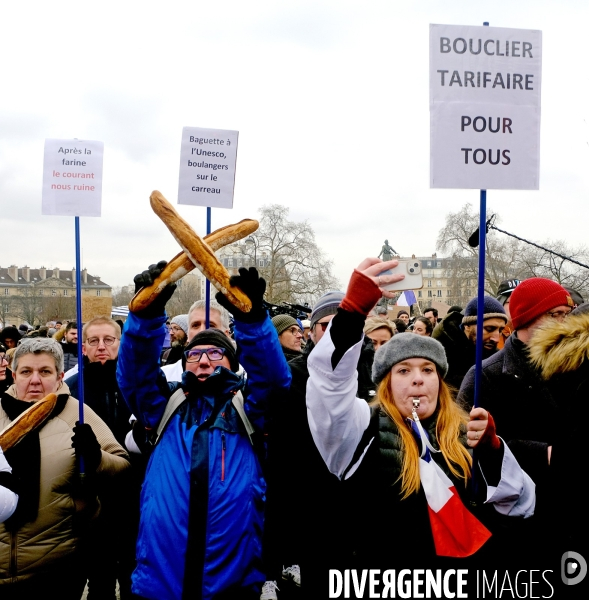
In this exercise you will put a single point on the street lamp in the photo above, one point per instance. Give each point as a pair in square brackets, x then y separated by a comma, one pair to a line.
[251, 240]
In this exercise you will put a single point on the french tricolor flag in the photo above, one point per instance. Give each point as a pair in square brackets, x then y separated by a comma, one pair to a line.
[407, 298]
[455, 530]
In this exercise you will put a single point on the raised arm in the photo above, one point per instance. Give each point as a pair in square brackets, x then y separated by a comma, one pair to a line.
[337, 418]
[140, 379]
[258, 348]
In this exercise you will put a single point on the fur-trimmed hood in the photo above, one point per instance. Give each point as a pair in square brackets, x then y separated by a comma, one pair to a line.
[560, 347]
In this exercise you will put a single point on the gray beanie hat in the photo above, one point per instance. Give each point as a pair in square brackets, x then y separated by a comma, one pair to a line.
[284, 322]
[182, 322]
[326, 305]
[408, 345]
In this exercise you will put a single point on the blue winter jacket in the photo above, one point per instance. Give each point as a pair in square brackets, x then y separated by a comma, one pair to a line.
[203, 497]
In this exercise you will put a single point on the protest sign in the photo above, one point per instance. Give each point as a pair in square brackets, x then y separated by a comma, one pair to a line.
[207, 167]
[485, 107]
[72, 178]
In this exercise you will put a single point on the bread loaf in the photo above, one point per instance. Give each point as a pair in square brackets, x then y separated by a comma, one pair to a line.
[28, 421]
[181, 264]
[199, 252]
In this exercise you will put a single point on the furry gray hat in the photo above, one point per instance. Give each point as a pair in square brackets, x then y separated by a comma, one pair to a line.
[408, 345]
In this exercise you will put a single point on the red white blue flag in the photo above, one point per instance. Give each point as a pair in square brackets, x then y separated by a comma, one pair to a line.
[455, 530]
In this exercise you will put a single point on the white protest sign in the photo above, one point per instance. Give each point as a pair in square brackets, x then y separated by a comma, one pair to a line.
[485, 107]
[72, 178]
[207, 167]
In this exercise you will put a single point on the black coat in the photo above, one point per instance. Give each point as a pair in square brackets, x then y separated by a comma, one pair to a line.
[527, 418]
[460, 351]
[102, 395]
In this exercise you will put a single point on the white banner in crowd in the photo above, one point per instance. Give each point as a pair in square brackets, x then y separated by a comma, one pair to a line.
[207, 167]
[72, 178]
[485, 107]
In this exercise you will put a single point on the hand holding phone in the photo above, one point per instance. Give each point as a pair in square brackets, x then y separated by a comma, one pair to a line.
[413, 280]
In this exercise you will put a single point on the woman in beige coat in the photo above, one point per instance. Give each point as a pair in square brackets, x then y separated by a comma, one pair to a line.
[40, 543]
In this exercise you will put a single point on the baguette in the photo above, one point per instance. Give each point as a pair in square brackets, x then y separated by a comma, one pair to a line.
[181, 264]
[28, 421]
[200, 252]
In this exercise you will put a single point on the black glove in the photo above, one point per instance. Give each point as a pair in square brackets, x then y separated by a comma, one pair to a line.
[254, 287]
[158, 306]
[87, 446]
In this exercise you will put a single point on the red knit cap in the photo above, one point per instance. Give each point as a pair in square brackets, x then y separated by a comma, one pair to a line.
[534, 297]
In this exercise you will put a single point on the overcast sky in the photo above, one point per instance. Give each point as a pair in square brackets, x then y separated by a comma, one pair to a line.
[330, 98]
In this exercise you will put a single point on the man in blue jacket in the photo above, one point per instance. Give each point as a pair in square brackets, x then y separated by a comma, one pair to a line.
[203, 497]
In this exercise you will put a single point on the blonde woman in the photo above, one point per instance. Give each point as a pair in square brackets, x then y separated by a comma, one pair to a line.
[410, 453]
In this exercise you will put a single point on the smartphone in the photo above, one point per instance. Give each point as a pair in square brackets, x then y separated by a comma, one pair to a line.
[411, 268]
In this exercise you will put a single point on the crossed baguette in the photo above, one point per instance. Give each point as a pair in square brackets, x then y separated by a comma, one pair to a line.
[28, 421]
[196, 253]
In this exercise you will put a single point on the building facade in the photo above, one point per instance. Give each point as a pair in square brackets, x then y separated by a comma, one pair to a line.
[443, 281]
[35, 296]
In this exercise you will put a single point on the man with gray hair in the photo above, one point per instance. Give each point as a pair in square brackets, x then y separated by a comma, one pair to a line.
[218, 319]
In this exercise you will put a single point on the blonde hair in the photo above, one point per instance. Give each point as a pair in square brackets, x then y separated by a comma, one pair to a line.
[451, 419]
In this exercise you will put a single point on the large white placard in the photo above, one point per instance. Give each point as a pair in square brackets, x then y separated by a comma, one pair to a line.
[207, 167]
[72, 178]
[485, 87]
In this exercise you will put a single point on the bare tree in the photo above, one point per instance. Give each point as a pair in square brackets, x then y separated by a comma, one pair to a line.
[28, 304]
[187, 292]
[505, 257]
[288, 257]
[121, 296]
[6, 308]
[57, 307]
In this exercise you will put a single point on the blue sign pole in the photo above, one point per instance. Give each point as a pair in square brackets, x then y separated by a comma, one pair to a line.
[208, 283]
[80, 326]
[478, 374]
[481, 296]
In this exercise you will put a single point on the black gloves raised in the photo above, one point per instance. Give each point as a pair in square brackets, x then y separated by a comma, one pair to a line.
[87, 446]
[254, 287]
[158, 306]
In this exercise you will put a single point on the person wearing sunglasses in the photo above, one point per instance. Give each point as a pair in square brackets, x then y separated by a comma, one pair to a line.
[202, 500]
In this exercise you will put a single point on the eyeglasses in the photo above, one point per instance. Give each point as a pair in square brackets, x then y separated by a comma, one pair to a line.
[108, 341]
[175, 328]
[195, 354]
[323, 325]
[295, 330]
[560, 315]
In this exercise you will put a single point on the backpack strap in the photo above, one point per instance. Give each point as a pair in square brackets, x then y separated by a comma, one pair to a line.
[238, 404]
[175, 400]
[178, 397]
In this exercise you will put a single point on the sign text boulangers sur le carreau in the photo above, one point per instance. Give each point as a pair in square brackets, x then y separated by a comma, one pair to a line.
[485, 107]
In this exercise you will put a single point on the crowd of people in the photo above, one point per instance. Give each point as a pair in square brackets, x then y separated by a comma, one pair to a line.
[226, 454]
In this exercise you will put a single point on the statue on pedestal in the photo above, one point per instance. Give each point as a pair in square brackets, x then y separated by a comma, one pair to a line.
[387, 252]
